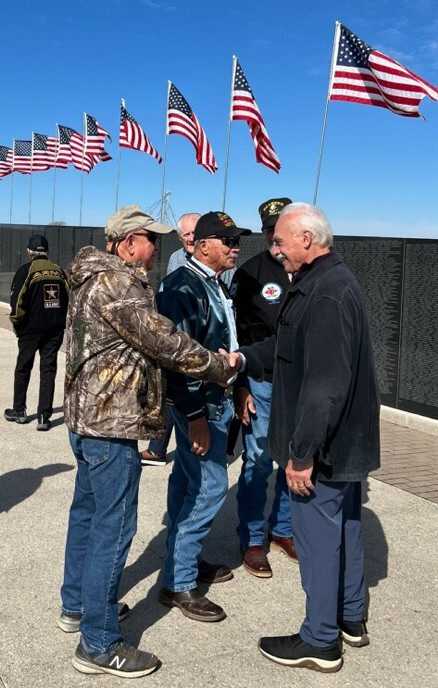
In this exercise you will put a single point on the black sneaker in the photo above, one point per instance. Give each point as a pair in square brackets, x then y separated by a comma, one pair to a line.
[354, 633]
[121, 660]
[149, 458]
[44, 423]
[70, 622]
[14, 416]
[291, 651]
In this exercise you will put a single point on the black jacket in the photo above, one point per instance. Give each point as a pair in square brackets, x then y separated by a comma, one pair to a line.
[324, 400]
[39, 297]
[191, 299]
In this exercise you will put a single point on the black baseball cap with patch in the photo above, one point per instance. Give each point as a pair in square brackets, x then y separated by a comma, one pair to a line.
[270, 210]
[38, 242]
[217, 224]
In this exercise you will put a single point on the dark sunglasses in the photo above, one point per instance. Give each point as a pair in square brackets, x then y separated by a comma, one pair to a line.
[230, 242]
[151, 236]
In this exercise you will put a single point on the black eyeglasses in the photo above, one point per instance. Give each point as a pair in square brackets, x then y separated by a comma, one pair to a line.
[230, 242]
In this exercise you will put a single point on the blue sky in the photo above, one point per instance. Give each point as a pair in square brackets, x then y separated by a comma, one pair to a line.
[380, 171]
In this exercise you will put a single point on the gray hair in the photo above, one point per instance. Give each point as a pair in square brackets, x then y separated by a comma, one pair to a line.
[312, 220]
[187, 216]
[36, 254]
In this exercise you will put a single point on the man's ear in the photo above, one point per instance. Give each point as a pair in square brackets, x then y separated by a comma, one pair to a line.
[308, 239]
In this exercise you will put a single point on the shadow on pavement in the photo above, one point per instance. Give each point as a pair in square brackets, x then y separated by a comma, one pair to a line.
[222, 546]
[18, 485]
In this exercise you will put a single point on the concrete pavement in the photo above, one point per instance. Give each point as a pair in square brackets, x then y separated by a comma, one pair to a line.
[36, 484]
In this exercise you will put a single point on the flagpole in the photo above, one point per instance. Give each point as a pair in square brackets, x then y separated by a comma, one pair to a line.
[11, 200]
[228, 144]
[53, 195]
[324, 123]
[30, 183]
[119, 163]
[166, 136]
[82, 176]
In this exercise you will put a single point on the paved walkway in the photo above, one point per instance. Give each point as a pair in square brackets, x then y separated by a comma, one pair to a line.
[36, 483]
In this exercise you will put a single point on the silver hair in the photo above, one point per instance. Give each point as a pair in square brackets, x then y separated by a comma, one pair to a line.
[313, 220]
[187, 216]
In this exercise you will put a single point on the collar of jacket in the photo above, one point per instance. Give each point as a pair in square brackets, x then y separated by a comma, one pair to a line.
[199, 270]
[309, 272]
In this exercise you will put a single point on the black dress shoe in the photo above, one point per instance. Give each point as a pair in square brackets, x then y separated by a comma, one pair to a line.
[213, 573]
[192, 604]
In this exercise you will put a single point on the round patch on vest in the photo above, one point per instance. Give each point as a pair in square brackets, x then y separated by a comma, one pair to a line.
[272, 291]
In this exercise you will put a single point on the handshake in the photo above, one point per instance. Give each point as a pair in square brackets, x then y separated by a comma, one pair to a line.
[236, 361]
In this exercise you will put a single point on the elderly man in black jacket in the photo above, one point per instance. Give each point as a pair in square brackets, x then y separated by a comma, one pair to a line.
[324, 430]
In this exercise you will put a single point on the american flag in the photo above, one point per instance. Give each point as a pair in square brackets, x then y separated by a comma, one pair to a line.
[22, 157]
[364, 75]
[43, 155]
[182, 120]
[5, 161]
[244, 107]
[133, 136]
[71, 149]
[95, 136]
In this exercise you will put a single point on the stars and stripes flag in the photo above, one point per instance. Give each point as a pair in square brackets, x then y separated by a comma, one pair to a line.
[182, 120]
[364, 75]
[5, 161]
[22, 156]
[244, 107]
[71, 149]
[95, 136]
[132, 135]
[44, 152]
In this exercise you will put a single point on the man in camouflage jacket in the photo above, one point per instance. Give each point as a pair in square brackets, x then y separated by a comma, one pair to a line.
[114, 395]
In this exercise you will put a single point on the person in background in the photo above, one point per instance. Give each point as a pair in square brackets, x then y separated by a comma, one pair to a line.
[259, 287]
[156, 453]
[195, 299]
[116, 347]
[39, 300]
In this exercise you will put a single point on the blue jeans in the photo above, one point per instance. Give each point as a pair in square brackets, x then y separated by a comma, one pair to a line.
[257, 466]
[159, 446]
[102, 523]
[328, 538]
[197, 489]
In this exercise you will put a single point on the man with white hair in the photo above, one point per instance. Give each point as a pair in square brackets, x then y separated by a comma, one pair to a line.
[324, 430]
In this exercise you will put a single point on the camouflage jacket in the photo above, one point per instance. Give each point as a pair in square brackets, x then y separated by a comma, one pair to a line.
[116, 346]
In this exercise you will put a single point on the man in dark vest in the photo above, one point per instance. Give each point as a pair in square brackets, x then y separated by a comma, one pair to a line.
[39, 299]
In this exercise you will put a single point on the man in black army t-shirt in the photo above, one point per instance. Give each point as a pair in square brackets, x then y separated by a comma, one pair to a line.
[39, 299]
[258, 288]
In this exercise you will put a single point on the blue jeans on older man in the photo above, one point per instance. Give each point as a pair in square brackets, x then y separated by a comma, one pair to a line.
[257, 466]
[102, 523]
[197, 489]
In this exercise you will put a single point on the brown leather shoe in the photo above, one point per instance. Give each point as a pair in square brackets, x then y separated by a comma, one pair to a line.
[256, 562]
[193, 604]
[213, 573]
[285, 545]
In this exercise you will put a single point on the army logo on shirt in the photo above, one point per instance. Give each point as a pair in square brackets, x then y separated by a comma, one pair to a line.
[271, 292]
[51, 296]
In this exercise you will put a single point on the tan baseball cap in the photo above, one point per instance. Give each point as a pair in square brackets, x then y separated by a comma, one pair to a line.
[129, 219]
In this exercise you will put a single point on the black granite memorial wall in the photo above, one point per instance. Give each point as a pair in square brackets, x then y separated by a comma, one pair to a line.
[399, 278]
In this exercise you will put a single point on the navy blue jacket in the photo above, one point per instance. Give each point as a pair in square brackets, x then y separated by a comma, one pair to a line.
[325, 402]
[191, 299]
